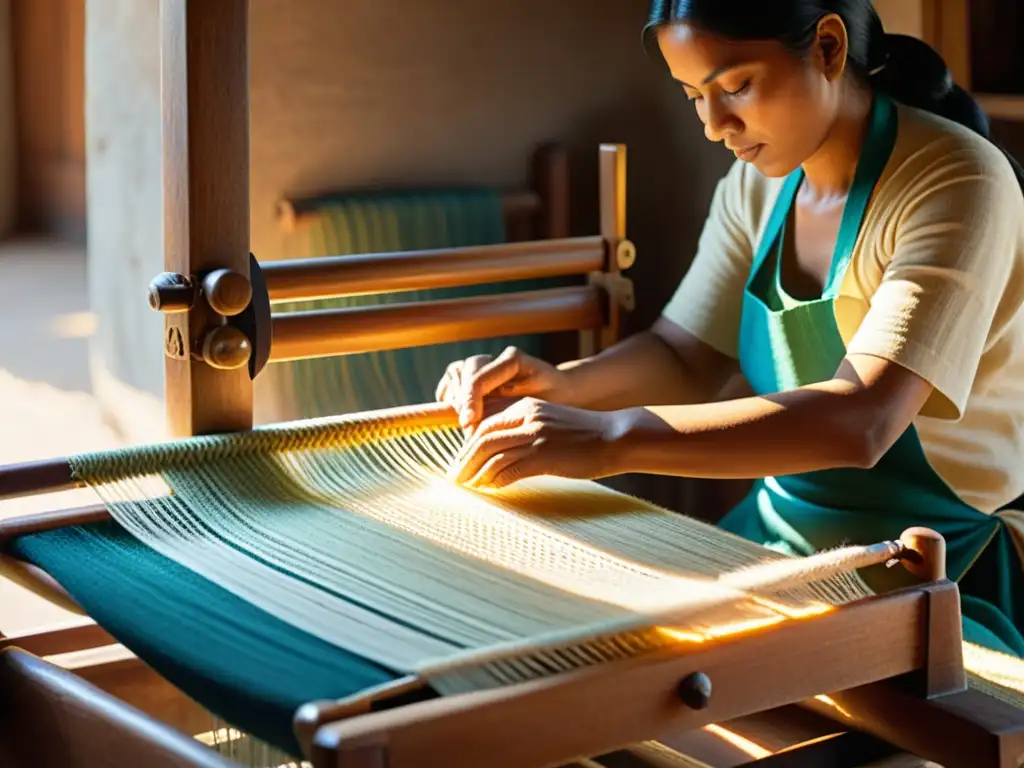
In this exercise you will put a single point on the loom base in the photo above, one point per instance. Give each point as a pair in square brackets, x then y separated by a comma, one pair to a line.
[793, 737]
[920, 632]
[632, 701]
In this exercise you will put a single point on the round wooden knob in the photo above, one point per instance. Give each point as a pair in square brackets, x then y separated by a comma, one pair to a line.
[171, 293]
[625, 254]
[226, 348]
[228, 293]
[924, 554]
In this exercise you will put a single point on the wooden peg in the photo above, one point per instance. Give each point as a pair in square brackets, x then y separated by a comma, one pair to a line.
[925, 553]
[226, 348]
[171, 293]
[227, 292]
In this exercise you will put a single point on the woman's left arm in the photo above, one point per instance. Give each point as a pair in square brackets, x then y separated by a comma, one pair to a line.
[850, 420]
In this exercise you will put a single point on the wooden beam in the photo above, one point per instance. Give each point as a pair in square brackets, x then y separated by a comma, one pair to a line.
[375, 273]
[943, 24]
[205, 93]
[630, 701]
[356, 330]
[612, 159]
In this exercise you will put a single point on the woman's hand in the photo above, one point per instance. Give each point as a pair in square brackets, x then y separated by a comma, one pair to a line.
[532, 437]
[466, 384]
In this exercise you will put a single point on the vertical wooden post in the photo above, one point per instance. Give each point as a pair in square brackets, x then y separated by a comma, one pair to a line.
[612, 175]
[953, 39]
[205, 100]
[613, 230]
[943, 24]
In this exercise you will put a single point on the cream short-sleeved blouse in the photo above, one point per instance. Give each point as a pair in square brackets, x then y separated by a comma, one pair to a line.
[935, 284]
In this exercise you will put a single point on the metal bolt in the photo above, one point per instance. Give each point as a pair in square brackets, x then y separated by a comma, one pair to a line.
[695, 690]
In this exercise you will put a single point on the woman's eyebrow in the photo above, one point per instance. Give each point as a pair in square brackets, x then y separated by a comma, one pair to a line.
[720, 71]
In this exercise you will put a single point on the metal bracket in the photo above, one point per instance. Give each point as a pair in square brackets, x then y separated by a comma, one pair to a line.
[619, 289]
[255, 321]
[241, 328]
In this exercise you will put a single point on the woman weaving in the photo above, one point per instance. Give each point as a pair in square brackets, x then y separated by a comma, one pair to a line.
[861, 272]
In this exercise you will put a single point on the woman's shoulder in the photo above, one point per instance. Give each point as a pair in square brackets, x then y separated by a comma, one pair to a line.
[932, 150]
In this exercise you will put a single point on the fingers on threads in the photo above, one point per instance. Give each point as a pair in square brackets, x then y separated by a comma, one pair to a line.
[503, 468]
[486, 446]
[498, 372]
[452, 375]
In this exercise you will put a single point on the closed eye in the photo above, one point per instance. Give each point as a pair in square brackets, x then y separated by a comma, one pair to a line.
[741, 89]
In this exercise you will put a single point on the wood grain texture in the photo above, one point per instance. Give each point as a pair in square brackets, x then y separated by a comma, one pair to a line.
[59, 640]
[968, 729]
[357, 275]
[205, 93]
[54, 718]
[628, 702]
[48, 39]
[325, 333]
[612, 167]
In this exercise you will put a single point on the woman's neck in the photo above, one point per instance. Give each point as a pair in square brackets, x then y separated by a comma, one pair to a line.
[829, 172]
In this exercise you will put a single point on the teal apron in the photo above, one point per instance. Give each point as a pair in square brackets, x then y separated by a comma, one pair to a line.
[785, 344]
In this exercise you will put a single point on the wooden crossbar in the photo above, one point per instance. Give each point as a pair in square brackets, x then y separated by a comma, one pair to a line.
[376, 273]
[610, 706]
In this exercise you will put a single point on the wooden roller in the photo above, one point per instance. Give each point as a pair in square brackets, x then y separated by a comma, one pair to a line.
[333, 276]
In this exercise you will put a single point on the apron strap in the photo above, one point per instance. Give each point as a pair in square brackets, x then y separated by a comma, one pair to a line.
[878, 146]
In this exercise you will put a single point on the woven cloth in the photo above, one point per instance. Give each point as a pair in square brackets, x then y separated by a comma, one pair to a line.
[261, 570]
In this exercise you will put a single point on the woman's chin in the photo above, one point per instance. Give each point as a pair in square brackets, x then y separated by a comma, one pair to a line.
[772, 167]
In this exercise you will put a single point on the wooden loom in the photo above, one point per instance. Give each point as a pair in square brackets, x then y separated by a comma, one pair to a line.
[891, 665]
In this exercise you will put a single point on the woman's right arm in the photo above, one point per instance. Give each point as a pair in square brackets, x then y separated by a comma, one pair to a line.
[665, 365]
[662, 366]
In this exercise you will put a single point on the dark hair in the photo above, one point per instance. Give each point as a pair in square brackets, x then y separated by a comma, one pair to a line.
[905, 68]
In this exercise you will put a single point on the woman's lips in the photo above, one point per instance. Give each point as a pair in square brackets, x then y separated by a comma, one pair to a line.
[748, 153]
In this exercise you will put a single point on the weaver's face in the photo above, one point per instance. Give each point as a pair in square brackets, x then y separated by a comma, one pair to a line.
[771, 108]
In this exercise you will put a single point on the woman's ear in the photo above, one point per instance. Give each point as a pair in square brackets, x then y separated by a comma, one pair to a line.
[832, 47]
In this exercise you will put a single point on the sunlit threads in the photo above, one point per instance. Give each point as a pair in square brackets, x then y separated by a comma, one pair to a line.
[681, 635]
[829, 701]
[805, 612]
[219, 736]
[742, 743]
[995, 667]
[782, 612]
[722, 630]
[740, 627]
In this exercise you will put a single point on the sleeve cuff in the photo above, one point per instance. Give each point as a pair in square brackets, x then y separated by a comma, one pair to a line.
[951, 387]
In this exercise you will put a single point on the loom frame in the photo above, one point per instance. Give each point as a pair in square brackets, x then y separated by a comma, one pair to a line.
[52, 713]
[240, 329]
[641, 697]
[206, 166]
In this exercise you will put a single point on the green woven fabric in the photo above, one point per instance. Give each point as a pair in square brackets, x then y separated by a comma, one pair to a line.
[236, 660]
[388, 222]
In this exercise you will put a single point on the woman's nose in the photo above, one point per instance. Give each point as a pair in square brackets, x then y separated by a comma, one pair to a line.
[718, 121]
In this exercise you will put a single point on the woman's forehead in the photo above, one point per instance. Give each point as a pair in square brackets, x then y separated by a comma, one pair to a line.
[695, 57]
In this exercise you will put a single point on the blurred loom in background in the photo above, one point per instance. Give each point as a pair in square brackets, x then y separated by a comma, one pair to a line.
[393, 221]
